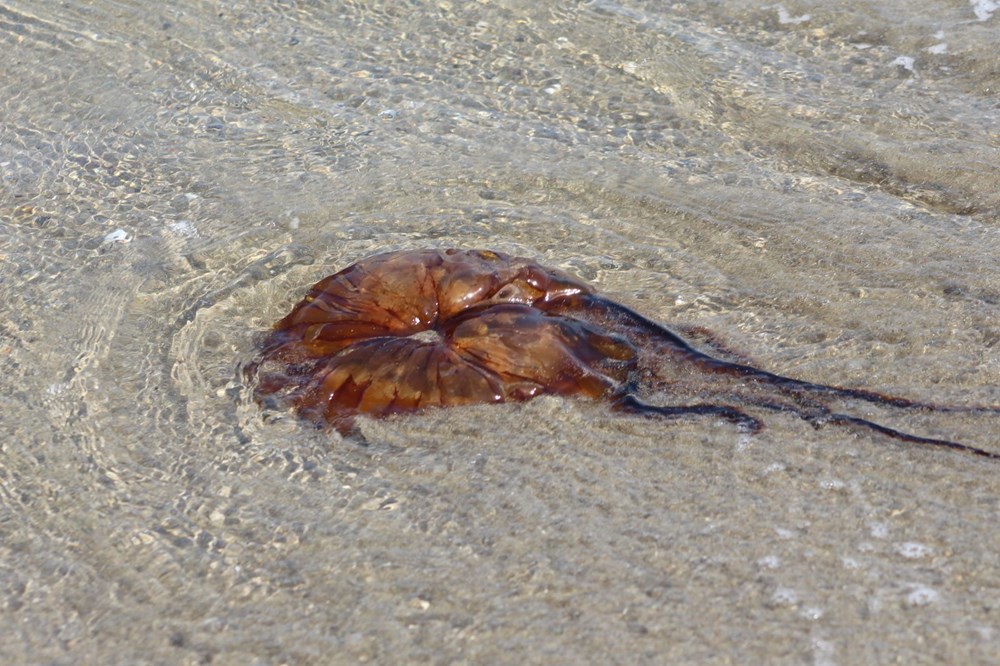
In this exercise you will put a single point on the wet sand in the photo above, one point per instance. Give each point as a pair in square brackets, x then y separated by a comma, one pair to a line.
[173, 180]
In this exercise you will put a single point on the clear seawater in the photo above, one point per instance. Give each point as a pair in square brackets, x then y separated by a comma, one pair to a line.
[818, 183]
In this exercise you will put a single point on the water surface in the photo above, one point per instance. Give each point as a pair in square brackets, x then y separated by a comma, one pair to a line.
[816, 182]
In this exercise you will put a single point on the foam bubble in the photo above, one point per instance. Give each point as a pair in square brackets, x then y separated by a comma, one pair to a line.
[913, 550]
[921, 595]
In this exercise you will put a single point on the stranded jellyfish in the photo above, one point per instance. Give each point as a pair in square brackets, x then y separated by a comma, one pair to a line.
[404, 331]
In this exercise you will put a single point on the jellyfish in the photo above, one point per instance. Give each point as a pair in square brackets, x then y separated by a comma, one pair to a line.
[409, 330]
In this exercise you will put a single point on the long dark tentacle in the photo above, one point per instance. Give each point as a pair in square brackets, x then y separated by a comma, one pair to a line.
[624, 318]
[846, 419]
[820, 416]
[627, 317]
[632, 405]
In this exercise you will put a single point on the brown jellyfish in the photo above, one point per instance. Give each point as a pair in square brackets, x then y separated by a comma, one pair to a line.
[404, 331]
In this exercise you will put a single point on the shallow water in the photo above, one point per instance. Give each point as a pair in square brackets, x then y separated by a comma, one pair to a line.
[814, 182]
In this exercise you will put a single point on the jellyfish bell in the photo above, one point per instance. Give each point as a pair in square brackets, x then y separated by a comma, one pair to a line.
[403, 331]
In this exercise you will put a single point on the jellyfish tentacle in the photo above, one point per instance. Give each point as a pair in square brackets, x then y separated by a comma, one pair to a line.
[710, 340]
[630, 404]
[819, 416]
[624, 316]
[809, 395]
[846, 419]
